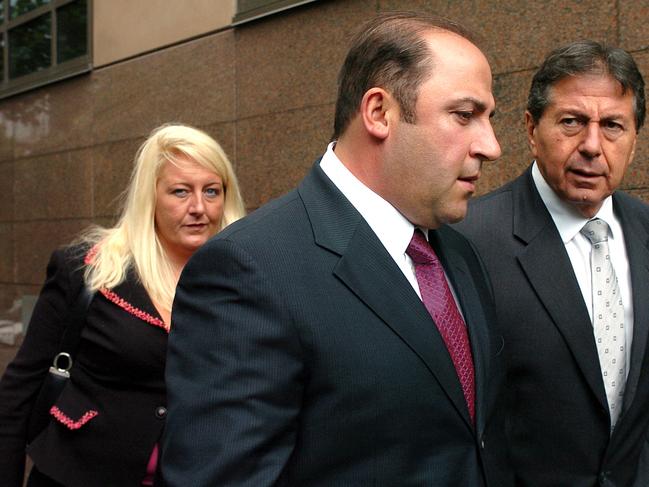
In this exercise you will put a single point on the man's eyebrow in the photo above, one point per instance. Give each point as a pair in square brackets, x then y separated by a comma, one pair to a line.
[581, 114]
[614, 116]
[479, 105]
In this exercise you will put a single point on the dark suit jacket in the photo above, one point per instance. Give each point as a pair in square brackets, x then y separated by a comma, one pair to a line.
[118, 373]
[301, 356]
[558, 414]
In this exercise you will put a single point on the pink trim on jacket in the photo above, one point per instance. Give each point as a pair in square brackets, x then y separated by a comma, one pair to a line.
[129, 308]
[151, 467]
[122, 303]
[63, 418]
[90, 256]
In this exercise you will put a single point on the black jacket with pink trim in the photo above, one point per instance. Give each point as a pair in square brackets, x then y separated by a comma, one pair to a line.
[110, 415]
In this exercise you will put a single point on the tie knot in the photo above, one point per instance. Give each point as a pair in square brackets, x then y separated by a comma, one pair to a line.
[419, 250]
[595, 230]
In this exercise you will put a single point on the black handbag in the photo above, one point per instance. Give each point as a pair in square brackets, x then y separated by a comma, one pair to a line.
[59, 373]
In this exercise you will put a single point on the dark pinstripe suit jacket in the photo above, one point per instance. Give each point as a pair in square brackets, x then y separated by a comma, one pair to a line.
[557, 411]
[301, 356]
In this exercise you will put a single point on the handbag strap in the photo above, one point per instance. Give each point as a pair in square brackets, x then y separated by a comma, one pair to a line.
[76, 319]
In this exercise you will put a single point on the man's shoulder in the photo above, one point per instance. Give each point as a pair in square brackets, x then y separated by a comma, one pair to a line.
[504, 194]
[627, 203]
[270, 219]
[632, 212]
[492, 208]
[269, 235]
[492, 201]
[489, 221]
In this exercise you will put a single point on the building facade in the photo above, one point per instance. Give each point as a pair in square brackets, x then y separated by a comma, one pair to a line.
[258, 75]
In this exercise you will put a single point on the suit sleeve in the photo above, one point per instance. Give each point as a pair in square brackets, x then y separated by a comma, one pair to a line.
[24, 375]
[234, 373]
[642, 475]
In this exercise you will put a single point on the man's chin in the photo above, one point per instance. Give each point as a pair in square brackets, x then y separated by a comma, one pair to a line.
[456, 218]
[449, 218]
[458, 213]
[586, 203]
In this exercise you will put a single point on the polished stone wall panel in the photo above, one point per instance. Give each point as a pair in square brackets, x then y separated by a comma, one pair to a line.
[7, 195]
[634, 15]
[637, 176]
[112, 166]
[54, 186]
[6, 253]
[292, 61]
[517, 34]
[225, 134]
[272, 162]
[53, 118]
[510, 93]
[191, 83]
[266, 91]
[11, 292]
[6, 132]
[35, 241]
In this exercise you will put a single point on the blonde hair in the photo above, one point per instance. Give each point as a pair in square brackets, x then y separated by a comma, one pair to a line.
[133, 243]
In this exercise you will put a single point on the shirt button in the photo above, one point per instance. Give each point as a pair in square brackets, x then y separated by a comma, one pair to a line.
[160, 412]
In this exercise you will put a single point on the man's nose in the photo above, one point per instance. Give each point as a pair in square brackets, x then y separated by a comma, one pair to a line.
[487, 148]
[591, 143]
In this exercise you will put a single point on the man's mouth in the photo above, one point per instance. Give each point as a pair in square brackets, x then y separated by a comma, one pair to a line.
[585, 173]
[469, 181]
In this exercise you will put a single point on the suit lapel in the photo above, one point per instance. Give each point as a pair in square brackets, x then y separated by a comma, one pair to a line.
[460, 276]
[547, 266]
[134, 299]
[338, 227]
[637, 240]
[389, 295]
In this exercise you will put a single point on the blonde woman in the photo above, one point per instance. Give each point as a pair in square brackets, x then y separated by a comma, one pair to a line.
[105, 426]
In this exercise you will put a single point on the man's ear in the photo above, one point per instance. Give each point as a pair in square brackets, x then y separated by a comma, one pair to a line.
[377, 111]
[633, 148]
[530, 127]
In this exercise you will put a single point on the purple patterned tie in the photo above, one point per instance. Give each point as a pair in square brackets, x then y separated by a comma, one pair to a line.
[439, 302]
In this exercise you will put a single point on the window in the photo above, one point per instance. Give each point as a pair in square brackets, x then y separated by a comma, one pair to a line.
[248, 10]
[42, 41]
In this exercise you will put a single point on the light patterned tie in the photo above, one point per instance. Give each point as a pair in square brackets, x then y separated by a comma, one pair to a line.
[608, 316]
[439, 301]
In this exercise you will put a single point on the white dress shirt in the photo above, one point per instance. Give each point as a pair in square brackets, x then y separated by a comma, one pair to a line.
[569, 224]
[391, 227]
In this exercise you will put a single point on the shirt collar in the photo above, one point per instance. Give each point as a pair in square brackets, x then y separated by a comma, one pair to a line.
[390, 226]
[569, 221]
